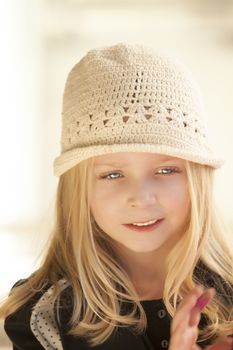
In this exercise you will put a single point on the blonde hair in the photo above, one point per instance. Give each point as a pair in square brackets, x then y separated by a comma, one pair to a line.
[84, 255]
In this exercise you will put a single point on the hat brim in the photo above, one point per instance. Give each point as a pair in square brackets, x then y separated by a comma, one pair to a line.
[69, 159]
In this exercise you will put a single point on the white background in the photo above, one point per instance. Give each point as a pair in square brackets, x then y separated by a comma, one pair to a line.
[40, 42]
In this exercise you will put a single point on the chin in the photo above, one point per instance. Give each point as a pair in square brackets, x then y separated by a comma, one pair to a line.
[144, 249]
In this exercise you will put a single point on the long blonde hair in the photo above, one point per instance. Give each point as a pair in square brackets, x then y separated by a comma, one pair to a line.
[84, 255]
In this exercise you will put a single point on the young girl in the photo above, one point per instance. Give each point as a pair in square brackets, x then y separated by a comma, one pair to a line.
[137, 258]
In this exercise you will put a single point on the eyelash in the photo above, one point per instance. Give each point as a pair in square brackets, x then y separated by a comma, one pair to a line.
[172, 172]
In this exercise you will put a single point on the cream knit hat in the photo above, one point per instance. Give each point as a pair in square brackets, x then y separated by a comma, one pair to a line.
[127, 98]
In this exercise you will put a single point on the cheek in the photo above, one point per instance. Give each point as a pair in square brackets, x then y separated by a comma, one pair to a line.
[104, 194]
[104, 200]
[177, 197]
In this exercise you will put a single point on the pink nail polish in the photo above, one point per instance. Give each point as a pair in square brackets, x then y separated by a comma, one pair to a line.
[201, 303]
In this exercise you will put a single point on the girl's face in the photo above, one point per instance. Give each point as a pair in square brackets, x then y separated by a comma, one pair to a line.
[137, 188]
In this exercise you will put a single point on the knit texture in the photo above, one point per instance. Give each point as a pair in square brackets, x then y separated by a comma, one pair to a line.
[126, 98]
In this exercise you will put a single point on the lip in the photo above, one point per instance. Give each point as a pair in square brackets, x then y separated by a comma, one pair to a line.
[143, 221]
[144, 228]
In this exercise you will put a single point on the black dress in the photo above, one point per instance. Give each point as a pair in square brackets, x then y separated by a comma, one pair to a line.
[33, 328]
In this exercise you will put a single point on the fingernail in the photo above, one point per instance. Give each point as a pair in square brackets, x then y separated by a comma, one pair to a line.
[201, 303]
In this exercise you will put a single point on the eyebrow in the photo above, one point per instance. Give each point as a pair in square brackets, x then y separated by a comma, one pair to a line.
[111, 164]
[120, 165]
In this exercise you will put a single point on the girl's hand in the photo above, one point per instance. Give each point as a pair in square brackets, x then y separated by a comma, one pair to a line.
[184, 327]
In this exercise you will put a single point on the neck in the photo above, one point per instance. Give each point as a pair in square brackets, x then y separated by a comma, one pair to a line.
[147, 271]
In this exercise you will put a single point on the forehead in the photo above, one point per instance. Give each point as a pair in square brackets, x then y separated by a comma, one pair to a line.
[125, 158]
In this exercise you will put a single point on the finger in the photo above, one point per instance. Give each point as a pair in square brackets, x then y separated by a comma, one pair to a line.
[197, 291]
[201, 303]
[182, 314]
[184, 339]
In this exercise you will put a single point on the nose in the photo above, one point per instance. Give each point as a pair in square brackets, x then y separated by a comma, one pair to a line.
[142, 195]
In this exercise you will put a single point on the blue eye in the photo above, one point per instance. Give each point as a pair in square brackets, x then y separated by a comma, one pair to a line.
[108, 176]
[163, 171]
[168, 171]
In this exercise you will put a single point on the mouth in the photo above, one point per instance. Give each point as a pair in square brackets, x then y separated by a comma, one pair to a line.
[144, 226]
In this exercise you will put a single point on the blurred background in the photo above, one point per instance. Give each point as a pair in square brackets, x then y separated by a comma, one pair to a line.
[40, 41]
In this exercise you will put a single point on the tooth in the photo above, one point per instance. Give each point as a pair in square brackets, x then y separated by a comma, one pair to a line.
[145, 223]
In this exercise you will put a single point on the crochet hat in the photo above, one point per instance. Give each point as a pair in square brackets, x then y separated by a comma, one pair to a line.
[126, 98]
